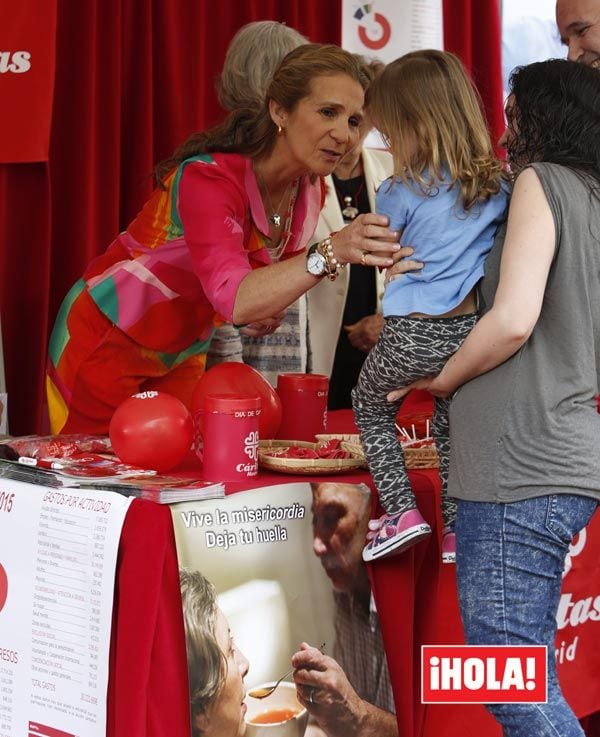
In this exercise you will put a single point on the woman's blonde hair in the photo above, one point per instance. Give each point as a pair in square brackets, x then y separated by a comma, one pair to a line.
[430, 114]
[252, 57]
[206, 661]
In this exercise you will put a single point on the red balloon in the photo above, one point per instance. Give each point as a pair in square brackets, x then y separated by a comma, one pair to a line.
[239, 378]
[151, 430]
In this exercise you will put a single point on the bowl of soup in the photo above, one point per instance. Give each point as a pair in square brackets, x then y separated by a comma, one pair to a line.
[278, 715]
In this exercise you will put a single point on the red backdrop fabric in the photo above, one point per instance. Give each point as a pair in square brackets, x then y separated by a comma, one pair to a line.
[473, 31]
[26, 79]
[133, 79]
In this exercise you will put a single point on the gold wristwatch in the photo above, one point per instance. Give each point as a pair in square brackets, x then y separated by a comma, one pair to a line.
[321, 261]
[316, 263]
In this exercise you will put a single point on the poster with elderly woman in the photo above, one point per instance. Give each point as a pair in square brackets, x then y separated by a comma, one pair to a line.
[272, 581]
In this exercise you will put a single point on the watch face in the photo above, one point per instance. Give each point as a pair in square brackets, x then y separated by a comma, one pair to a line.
[315, 264]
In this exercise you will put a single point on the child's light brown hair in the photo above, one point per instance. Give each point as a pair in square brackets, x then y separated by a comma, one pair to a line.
[426, 98]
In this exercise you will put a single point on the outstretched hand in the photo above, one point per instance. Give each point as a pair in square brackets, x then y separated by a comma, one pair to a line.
[263, 327]
[403, 264]
[431, 384]
[367, 240]
[364, 333]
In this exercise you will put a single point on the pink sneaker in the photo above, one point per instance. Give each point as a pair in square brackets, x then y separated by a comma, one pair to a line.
[449, 547]
[396, 533]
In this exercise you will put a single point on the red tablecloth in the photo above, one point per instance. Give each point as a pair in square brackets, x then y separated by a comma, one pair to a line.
[416, 599]
[148, 692]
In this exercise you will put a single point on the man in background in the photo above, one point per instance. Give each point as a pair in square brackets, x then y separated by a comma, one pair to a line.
[578, 23]
[351, 692]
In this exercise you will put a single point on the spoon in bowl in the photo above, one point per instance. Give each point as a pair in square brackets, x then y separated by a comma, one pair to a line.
[262, 693]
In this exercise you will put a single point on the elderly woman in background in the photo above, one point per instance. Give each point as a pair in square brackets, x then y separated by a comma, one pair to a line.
[221, 239]
[252, 58]
[216, 668]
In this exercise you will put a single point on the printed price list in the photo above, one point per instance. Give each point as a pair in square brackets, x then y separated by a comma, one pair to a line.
[67, 599]
[57, 573]
[6, 701]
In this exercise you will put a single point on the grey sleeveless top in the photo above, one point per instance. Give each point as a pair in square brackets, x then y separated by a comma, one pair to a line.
[530, 426]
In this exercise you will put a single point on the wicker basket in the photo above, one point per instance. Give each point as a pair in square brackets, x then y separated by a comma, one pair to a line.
[414, 457]
[264, 446]
[349, 437]
[424, 456]
[354, 447]
[420, 457]
[307, 466]
[348, 441]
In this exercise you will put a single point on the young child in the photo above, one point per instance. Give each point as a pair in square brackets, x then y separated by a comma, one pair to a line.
[447, 196]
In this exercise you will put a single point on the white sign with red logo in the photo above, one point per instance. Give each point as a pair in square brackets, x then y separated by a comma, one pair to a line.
[389, 28]
[58, 555]
[482, 674]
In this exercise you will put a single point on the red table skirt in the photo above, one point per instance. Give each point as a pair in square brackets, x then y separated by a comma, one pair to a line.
[416, 599]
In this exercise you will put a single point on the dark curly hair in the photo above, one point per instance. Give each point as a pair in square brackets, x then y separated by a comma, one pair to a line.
[555, 116]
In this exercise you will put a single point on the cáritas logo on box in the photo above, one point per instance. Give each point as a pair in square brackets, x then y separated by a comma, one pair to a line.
[482, 674]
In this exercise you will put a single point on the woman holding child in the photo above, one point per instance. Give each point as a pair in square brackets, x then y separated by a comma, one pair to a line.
[525, 465]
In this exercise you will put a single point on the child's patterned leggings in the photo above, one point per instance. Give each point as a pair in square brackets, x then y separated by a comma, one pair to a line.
[408, 349]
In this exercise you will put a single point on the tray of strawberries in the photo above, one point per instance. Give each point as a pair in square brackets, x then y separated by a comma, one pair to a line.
[301, 457]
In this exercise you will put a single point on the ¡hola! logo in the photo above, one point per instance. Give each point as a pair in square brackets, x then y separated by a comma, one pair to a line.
[375, 31]
[482, 674]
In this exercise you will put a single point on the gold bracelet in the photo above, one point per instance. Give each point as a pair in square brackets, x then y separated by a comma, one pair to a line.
[330, 239]
[325, 248]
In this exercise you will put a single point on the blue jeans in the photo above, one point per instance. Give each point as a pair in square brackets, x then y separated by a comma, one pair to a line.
[510, 559]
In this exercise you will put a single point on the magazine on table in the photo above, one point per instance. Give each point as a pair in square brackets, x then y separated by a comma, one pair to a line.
[169, 489]
[79, 461]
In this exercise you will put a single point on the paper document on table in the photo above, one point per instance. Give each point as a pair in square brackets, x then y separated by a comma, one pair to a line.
[57, 576]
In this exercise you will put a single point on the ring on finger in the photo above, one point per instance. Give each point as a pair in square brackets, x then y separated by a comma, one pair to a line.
[311, 696]
[363, 258]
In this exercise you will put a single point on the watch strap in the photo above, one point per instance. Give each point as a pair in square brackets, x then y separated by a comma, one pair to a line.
[314, 248]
